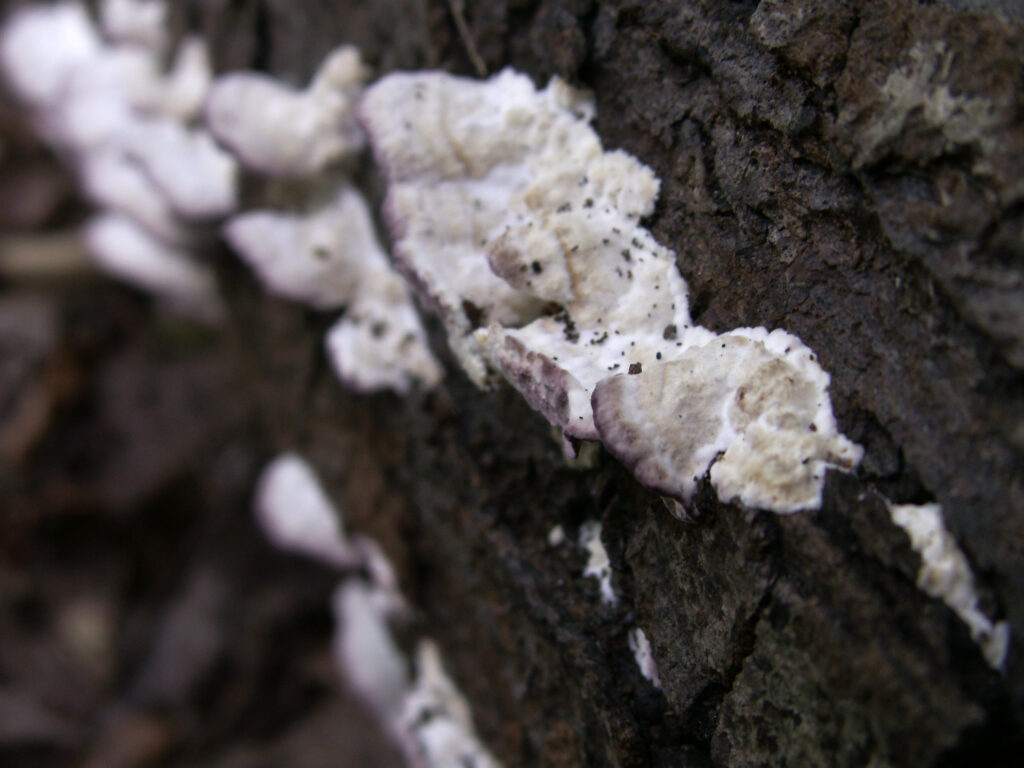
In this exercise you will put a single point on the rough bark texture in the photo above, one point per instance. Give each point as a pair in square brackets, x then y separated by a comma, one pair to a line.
[850, 171]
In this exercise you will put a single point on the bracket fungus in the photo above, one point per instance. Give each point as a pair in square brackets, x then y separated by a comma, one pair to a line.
[276, 130]
[420, 708]
[112, 181]
[41, 46]
[296, 515]
[330, 258]
[458, 156]
[750, 404]
[106, 103]
[193, 174]
[525, 236]
[598, 565]
[128, 251]
[143, 22]
[436, 723]
[370, 662]
[638, 643]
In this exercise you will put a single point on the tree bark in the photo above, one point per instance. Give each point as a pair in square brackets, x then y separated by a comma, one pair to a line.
[847, 170]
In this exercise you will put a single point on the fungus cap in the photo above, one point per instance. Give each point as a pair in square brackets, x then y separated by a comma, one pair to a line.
[276, 130]
[296, 515]
[126, 250]
[750, 404]
[41, 46]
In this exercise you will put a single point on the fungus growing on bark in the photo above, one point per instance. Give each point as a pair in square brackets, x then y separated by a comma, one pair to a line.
[316, 258]
[126, 250]
[41, 46]
[278, 131]
[379, 342]
[195, 176]
[946, 575]
[424, 714]
[644, 656]
[750, 404]
[331, 258]
[459, 156]
[111, 109]
[296, 515]
[370, 662]
[436, 723]
[142, 22]
[112, 181]
[581, 309]
[598, 565]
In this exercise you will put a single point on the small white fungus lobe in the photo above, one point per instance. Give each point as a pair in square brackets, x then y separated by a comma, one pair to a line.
[750, 404]
[436, 721]
[126, 250]
[142, 22]
[370, 662]
[41, 46]
[421, 709]
[296, 515]
[946, 575]
[641, 648]
[598, 565]
[195, 176]
[316, 258]
[279, 131]
[330, 258]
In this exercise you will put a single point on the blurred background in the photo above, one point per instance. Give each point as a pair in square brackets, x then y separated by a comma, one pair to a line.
[143, 619]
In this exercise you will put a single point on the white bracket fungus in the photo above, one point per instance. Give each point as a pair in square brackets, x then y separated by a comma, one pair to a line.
[436, 722]
[379, 343]
[751, 404]
[459, 156]
[296, 515]
[317, 258]
[331, 258]
[427, 717]
[513, 221]
[129, 252]
[142, 22]
[41, 46]
[598, 565]
[121, 119]
[946, 575]
[196, 177]
[370, 662]
[111, 180]
[278, 131]
[641, 648]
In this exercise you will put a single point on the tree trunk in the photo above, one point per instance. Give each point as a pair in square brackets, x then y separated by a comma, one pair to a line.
[847, 170]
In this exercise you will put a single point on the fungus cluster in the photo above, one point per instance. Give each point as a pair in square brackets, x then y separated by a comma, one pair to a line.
[512, 224]
[526, 237]
[101, 97]
[330, 258]
[424, 713]
[323, 251]
[277, 130]
[160, 153]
